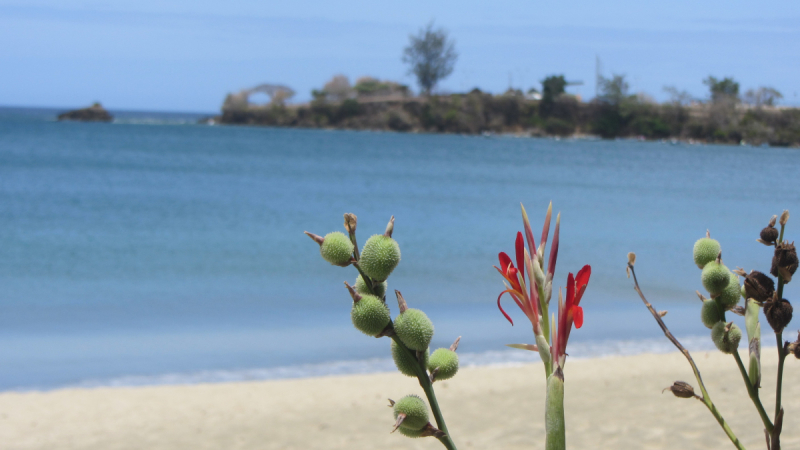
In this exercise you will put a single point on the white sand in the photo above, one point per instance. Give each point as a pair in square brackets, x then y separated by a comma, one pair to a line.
[612, 403]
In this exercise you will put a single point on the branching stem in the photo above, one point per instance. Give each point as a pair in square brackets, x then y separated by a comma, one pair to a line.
[753, 392]
[706, 399]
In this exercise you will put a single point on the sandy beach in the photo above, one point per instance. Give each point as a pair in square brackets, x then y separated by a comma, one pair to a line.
[613, 403]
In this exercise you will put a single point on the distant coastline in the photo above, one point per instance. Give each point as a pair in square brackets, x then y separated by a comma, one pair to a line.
[478, 112]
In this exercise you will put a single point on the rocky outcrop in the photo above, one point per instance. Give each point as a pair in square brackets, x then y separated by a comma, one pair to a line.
[94, 113]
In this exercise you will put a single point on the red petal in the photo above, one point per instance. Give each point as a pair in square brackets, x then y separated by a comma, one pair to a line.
[505, 261]
[519, 247]
[551, 263]
[501, 308]
[581, 281]
[577, 316]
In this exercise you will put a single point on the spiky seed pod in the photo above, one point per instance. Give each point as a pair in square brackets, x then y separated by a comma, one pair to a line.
[759, 286]
[785, 259]
[411, 433]
[416, 412]
[446, 361]
[337, 249]
[379, 288]
[778, 313]
[769, 234]
[726, 342]
[729, 297]
[405, 363]
[710, 314]
[705, 251]
[370, 315]
[414, 328]
[716, 277]
[380, 256]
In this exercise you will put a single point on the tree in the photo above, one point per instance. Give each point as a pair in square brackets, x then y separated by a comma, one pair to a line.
[552, 87]
[763, 96]
[678, 97]
[613, 90]
[724, 90]
[431, 55]
[338, 88]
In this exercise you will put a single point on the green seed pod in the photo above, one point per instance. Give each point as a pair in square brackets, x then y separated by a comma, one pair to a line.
[406, 364]
[416, 412]
[726, 343]
[730, 296]
[414, 328]
[705, 251]
[410, 433]
[380, 288]
[716, 277]
[380, 256]
[710, 314]
[446, 361]
[337, 249]
[370, 315]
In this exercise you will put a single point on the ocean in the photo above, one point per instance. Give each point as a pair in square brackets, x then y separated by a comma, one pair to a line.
[153, 250]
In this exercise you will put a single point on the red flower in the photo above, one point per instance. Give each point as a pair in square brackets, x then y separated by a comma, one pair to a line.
[526, 299]
[570, 312]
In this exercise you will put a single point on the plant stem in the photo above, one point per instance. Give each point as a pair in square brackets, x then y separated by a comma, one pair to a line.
[555, 427]
[753, 393]
[781, 359]
[706, 398]
[427, 386]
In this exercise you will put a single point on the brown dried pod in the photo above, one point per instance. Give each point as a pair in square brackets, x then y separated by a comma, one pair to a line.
[681, 389]
[769, 234]
[778, 313]
[759, 286]
[784, 262]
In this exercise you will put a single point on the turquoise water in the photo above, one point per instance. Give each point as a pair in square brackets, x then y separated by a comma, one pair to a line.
[153, 250]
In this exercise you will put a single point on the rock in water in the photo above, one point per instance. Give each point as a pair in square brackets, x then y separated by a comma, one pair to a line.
[94, 113]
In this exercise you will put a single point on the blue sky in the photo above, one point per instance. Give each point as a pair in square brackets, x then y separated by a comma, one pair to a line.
[186, 55]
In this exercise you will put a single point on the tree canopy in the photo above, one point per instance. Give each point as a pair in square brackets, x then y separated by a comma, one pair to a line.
[431, 55]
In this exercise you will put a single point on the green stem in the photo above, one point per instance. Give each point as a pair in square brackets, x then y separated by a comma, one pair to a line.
[427, 386]
[753, 393]
[555, 427]
[781, 359]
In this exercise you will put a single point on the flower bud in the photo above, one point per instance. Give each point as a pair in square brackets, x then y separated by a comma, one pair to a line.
[716, 277]
[759, 286]
[769, 234]
[406, 362]
[380, 256]
[729, 297]
[726, 336]
[337, 249]
[379, 288]
[414, 328]
[370, 315]
[710, 313]
[705, 251]
[778, 313]
[443, 364]
[784, 262]
[414, 412]
[681, 389]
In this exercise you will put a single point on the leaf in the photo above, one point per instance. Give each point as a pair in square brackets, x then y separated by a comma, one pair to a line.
[530, 347]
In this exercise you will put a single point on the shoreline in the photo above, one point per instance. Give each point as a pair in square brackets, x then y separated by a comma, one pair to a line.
[612, 402]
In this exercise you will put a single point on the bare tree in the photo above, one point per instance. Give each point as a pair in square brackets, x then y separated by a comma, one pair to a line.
[431, 55]
[763, 96]
[338, 88]
[678, 97]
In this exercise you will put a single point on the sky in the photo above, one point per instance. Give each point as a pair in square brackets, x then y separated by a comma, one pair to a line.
[186, 55]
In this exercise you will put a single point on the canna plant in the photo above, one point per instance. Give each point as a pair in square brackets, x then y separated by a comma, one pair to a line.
[530, 285]
[410, 332]
[759, 292]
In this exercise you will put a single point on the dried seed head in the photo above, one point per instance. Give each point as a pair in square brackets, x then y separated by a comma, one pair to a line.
[350, 222]
[759, 286]
[784, 262]
[778, 313]
[784, 217]
[681, 389]
[769, 234]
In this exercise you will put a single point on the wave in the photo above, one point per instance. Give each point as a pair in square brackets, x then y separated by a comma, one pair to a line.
[507, 357]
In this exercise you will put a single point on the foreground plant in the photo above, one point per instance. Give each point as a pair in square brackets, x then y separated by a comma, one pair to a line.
[530, 285]
[410, 332]
[758, 291]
